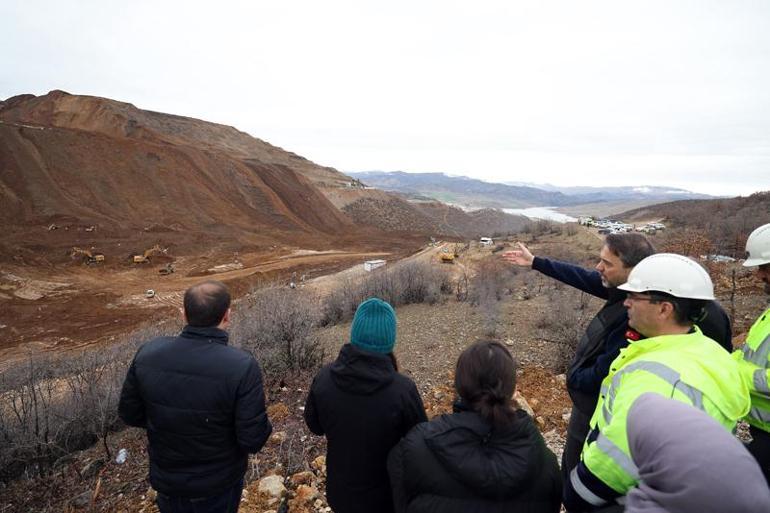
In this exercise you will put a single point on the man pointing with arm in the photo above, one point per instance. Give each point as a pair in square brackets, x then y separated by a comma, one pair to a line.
[606, 333]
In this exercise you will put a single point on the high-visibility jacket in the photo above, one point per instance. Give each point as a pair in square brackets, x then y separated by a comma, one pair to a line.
[690, 368]
[754, 364]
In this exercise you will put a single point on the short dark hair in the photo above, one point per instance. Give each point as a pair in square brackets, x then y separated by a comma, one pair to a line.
[687, 311]
[485, 379]
[631, 248]
[205, 304]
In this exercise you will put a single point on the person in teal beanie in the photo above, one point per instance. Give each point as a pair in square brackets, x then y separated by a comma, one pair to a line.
[363, 406]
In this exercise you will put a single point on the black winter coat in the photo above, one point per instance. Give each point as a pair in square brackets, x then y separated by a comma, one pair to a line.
[364, 407]
[456, 463]
[203, 406]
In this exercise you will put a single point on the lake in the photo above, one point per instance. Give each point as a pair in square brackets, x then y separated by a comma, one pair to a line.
[547, 213]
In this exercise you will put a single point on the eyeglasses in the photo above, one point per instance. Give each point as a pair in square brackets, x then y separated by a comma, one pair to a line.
[637, 297]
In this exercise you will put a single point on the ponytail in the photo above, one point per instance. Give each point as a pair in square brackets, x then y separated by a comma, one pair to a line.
[485, 378]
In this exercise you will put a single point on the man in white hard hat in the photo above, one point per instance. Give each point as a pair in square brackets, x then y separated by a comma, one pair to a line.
[667, 295]
[607, 333]
[754, 357]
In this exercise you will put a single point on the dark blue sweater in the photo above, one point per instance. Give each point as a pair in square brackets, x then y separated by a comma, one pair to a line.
[588, 377]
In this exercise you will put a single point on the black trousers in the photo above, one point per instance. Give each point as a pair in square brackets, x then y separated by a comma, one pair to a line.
[577, 431]
[760, 449]
[225, 502]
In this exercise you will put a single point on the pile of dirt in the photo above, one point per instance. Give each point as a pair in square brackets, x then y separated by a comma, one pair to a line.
[107, 178]
[391, 214]
[394, 213]
[122, 186]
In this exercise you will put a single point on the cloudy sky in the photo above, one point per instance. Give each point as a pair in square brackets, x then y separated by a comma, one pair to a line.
[670, 92]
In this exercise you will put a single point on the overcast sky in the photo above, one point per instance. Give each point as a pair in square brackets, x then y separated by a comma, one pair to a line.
[673, 93]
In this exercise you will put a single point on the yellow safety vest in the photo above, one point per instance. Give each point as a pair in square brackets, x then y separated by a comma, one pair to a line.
[754, 364]
[690, 368]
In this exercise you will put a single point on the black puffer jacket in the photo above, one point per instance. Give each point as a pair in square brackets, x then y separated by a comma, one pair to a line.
[456, 463]
[364, 407]
[203, 406]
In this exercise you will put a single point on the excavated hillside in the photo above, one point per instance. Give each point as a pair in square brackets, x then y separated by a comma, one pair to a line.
[164, 201]
[84, 175]
[123, 120]
[85, 161]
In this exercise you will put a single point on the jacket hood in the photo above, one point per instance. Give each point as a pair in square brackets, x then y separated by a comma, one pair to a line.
[361, 372]
[496, 465]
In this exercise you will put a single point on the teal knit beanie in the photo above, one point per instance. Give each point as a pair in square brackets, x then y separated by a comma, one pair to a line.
[374, 326]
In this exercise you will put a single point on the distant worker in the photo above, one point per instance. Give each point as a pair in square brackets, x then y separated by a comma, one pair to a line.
[755, 355]
[689, 463]
[667, 294]
[203, 405]
[606, 333]
[364, 406]
[487, 456]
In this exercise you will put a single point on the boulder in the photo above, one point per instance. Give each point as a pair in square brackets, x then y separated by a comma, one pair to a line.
[272, 486]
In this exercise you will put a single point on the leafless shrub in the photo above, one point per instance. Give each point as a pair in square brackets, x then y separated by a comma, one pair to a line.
[277, 325]
[405, 283]
[565, 321]
[540, 227]
[51, 405]
[527, 284]
[461, 286]
[493, 279]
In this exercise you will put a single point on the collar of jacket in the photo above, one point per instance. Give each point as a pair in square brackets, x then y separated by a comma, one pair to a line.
[212, 334]
[648, 344]
[361, 372]
[615, 295]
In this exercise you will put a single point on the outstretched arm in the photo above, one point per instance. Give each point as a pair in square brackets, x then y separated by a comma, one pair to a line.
[522, 256]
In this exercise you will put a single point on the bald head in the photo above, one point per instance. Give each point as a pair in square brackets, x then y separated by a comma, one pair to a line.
[206, 304]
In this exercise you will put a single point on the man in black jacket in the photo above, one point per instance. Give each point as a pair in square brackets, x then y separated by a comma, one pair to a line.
[608, 331]
[203, 406]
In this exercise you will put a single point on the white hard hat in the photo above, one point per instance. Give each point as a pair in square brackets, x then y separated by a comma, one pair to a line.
[673, 274]
[758, 247]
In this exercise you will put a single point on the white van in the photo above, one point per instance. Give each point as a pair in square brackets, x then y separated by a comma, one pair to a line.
[485, 241]
[371, 265]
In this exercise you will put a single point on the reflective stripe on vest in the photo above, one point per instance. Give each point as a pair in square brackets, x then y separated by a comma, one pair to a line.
[760, 381]
[582, 490]
[614, 452]
[605, 412]
[662, 371]
[761, 415]
[759, 355]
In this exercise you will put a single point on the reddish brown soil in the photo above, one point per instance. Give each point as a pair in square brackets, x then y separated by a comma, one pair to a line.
[107, 177]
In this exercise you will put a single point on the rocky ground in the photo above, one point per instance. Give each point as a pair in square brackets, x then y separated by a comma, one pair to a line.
[289, 473]
[291, 468]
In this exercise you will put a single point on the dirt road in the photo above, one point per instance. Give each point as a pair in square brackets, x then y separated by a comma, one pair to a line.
[51, 309]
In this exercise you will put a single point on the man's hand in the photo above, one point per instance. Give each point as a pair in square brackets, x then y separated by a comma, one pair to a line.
[520, 256]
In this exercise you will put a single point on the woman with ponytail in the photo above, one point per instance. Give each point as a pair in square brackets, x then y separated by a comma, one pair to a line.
[487, 456]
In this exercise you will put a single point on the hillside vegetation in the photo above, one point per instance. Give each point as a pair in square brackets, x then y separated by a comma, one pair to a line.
[723, 224]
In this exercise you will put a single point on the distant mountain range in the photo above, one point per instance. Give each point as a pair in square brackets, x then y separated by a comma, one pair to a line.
[470, 192]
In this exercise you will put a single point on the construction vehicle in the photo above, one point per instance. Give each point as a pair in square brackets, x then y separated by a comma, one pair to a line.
[144, 258]
[87, 256]
[447, 257]
[166, 270]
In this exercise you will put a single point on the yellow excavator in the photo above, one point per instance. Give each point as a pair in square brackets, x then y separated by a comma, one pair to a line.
[87, 256]
[447, 257]
[145, 257]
